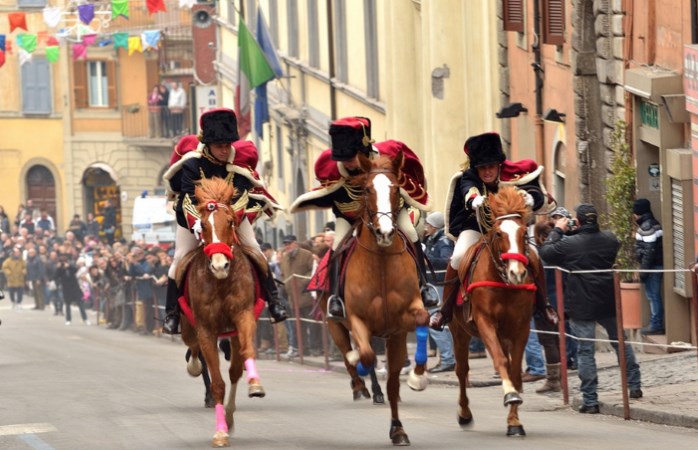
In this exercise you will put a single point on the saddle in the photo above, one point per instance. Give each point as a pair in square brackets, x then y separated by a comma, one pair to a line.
[465, 273]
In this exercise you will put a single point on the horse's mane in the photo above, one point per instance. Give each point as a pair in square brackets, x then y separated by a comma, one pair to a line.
[358, 181]
[508, 200]
[214, 190]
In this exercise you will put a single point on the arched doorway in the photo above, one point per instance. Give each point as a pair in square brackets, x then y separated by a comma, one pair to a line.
[41, 189]
[99, 185]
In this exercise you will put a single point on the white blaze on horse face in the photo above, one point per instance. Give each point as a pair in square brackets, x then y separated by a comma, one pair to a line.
[382, 185]
[212, 222]
[511, 228]
[219, 262]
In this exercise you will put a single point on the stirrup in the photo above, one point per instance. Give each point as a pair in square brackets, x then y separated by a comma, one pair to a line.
[430, 296]
[171, 323]
[337, 302]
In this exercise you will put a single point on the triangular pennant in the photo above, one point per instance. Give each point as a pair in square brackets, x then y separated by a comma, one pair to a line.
[2, 58]
[8, 47]
[134, 45]
[27, 41]
[79, 51]
[150, 39]
[120, 40]
[86, 13]
[89, 39]
[52, 53]
[187, 3]
[17, 20]
[119, 8]
[52, 16]
[155, 6]
[51, 41]
[2, 42]
[24, 57]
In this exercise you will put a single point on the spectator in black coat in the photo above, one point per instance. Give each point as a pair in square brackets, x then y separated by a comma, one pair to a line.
[649, 253]
[66, 274]
[589, 297]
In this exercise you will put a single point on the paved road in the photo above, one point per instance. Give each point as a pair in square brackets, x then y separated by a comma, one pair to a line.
[85, 387]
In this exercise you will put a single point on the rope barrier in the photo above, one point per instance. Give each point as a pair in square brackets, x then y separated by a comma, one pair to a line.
[681, 345]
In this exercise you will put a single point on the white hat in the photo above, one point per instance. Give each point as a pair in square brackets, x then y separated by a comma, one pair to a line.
[436, 220]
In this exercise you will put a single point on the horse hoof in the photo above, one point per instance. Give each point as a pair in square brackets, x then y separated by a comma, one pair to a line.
[465, 422]
[398, 435]
[512, 398]
[209, 402]
[378, 399]
[361, 394]
[515, 431]
[256, 390]
[220, 439]
[417, 382]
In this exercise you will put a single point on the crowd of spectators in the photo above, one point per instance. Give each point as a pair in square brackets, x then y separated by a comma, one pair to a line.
[122, 282]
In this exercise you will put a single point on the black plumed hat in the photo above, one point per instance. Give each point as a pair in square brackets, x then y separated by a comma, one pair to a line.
[484, 149]
[350, 135]
[219, 126]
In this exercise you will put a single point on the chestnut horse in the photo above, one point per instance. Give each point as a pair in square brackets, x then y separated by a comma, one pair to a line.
[502, 296]
[221, 290]
[381, 292]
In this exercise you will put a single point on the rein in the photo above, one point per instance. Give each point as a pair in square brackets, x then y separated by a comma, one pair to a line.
[499, 263]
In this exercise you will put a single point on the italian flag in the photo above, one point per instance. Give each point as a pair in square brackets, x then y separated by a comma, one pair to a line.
[253, 71]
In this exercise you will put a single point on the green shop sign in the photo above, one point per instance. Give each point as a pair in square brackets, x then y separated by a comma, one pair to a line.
[649, 114]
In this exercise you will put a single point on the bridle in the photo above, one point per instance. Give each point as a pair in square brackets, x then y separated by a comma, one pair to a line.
[499, 259]
[374, 215]
[212, 248]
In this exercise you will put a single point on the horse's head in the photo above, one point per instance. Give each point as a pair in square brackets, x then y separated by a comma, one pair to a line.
[510, 216]
[218, 222]
[381, 198]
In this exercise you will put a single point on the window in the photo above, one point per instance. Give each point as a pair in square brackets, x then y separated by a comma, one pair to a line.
[94, 84]
[292, 23]
[313, 35]
[371, 37]
[31, 3]
[36, 87]
[340, 32]
[554, 22]
[232, 13]
[274, 22]
[279, 159]
[514, 15]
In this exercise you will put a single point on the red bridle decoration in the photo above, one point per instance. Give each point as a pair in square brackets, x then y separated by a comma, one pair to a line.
[218, 247]
[517, 256]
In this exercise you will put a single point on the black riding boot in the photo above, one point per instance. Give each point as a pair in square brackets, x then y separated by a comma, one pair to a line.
[171, 323]
[430, 296]
[335, 304]
[277, 310]
[440, 318]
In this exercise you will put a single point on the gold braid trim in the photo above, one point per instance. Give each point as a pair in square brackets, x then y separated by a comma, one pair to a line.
[189, 207]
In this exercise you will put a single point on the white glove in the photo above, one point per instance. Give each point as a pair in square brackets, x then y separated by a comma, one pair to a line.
[197, 229]
[528, 199]
[477, 202]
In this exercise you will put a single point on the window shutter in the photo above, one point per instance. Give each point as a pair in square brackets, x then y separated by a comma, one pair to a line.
[677, 228]
[554, 22]
[80, 84]
[111, 83]
[36, 87]
[514, 15]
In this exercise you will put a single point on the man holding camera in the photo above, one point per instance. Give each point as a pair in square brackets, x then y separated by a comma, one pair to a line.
[589, 296]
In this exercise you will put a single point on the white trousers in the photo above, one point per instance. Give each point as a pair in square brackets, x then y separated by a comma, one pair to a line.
[404, 223]
[466, 239]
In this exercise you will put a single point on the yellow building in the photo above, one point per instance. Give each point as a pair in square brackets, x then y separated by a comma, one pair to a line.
[424, 72]
[77, 132]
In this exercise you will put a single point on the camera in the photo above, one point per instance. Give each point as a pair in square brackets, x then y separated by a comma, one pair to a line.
[571, 223]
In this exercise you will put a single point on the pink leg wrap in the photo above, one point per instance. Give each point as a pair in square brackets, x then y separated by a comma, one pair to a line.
[220, 419]
[251, 369]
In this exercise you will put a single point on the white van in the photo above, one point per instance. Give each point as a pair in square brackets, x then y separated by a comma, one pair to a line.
[153, 220]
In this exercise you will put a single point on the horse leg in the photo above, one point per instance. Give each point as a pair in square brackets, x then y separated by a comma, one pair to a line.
[500, 360]
[365, 355]
[340, 336]
[208, 343]
[417, 379]
[461, 342]
[376, 389]
[235, 373]
[514, 426]
[247, 328]
[208, 398]
[396, 349]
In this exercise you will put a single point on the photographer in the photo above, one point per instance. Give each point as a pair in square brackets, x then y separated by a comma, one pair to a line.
[66, 274]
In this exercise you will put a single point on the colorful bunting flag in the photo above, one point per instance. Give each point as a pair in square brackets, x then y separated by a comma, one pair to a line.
[253, 63]
[120, 40]
[2, 58]
[150, 39]
[24, 57]
[79, 51]
[52, 53]
[17, 20]
[89, 39]
[155, 6]
[119, 8]
[52, 16]
[187, 3]
[134, 45]
[86, 13]
[51, 41]
[2, 42]
[27, 41]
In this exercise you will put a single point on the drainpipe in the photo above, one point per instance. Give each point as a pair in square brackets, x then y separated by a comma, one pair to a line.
[538, 70]
[694, 23]
[330, 52]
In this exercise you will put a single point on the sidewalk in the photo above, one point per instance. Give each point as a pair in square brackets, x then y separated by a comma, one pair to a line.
[669, 385]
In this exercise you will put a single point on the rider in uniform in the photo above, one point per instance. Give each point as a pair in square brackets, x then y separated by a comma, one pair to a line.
[350, 136]
[219, 154]
[485, 169]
